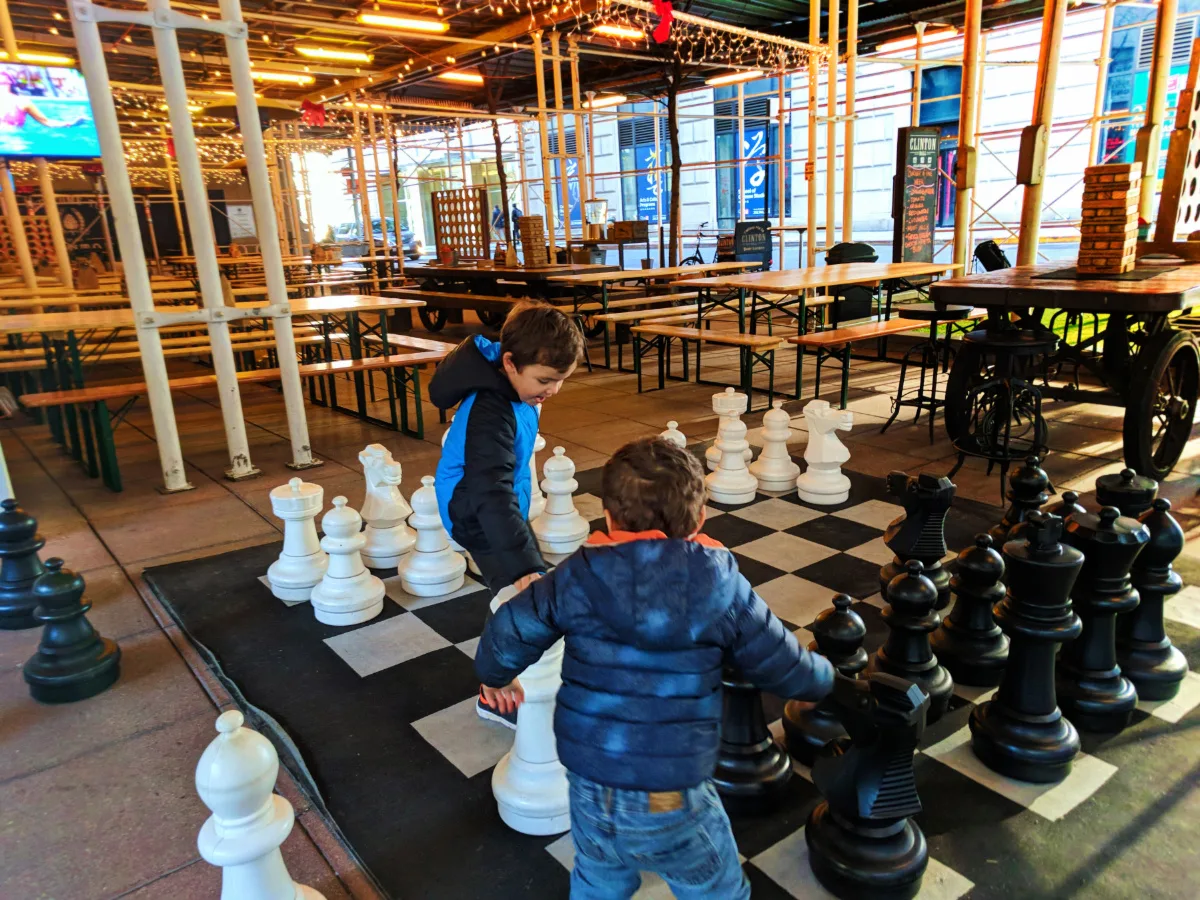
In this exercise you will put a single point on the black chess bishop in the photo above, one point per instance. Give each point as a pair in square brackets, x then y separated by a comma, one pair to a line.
[921, 532]
[1029, 490]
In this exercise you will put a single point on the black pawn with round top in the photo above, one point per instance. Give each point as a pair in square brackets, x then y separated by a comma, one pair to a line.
[1067, 506]
[1128, 491]
[970, 644]
[906, 653]
[839, 633]
[921, 532]
[1021, 733]
[1028, 490]
[752, 770]
[1093, 693]
[1144, 652]
[19, 566]
[72, 661]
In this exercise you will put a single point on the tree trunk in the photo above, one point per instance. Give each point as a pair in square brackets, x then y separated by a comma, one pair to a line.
[673, 138]
[493, 90]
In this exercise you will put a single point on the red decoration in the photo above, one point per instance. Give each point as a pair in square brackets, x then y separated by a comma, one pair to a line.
[171, 147]
[312, 113]
[662, 9]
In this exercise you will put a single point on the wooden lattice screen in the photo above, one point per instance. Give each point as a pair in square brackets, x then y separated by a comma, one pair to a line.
[460, 221]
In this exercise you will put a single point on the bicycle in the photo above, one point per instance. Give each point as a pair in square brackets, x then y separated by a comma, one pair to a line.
[696, 259]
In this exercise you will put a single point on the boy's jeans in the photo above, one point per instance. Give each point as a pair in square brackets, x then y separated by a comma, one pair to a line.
[682, 836]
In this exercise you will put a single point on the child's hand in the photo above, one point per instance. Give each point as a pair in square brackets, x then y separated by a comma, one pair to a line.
[506, 699]
[525, 581]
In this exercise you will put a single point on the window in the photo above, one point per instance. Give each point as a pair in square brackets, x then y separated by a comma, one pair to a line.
[1181, 47]
[572, 177]
[640, 189]
[940, 103]
[756, 197]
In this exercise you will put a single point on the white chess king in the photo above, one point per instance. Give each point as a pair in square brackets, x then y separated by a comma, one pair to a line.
[432, 568]
[729, 405]
[302, 563]
[349, 593]
[774, 468]
[823, 482]
[384, 509]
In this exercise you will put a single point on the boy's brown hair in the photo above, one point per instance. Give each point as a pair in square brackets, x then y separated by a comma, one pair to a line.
[540, 334]
[652, 485]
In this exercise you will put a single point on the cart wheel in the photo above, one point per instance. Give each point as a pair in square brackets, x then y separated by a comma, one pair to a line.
[592, 329]
[1161, 403]
[491, 318]
[970, 368]
[432, 319]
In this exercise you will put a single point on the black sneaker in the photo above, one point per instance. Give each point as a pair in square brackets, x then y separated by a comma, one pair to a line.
[488, 714]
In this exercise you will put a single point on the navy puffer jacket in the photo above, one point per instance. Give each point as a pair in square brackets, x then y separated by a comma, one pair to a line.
[649, 623]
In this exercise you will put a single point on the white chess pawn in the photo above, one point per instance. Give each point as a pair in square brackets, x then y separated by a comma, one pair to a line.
[432, 568]
[732, 483]
[349, 593]
[384, 509]
[529, 783]
[674, 436]
[560, 529]
[537, 500]
[728, 404]
[454, 545]
[823, 482]
[236, 780]
[774, 468]
[302, 563]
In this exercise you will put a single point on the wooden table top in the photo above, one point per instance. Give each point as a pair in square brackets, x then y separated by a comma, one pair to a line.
[795, 281]
[57, 290]
[1178, 288]
[662, 272]
[514, 272]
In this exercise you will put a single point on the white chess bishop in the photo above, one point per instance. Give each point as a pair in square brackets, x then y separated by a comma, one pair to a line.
[302, 563]
[674, 436]
[729, 405]
[774, 468]
[432, 568]
[560, 529]
[732, 482]
[384, 509]
[537, 500]
[823, 482]
[349, 593]
[236, 780]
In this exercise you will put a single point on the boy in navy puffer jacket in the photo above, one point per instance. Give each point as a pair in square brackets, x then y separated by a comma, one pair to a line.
[651, 612]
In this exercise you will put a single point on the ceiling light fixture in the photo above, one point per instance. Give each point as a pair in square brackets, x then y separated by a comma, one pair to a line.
[314, 52]
[620, 31]
[46, 59]
[403, 23]
[461, 77]
[607, 100]
[282, 77]
[733, 77]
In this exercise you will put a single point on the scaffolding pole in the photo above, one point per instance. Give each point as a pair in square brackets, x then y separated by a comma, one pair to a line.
[810, 164]
[848, 148]
[564, 187]
[1101, 80]
[183, 245]
[780, 174]
[1149, 136]
[918, 55]
[389, 140]
[374, 138]
[831, 126]
[539, 72]
[582, 141]
[364, 198]
[964, 165]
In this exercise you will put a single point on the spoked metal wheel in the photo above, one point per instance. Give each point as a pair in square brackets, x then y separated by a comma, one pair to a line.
[1161, 403]
[977, 409]
[491, 318]
[433, 319]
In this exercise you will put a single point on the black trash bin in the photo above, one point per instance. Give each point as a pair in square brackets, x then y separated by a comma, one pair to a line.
[854, 300]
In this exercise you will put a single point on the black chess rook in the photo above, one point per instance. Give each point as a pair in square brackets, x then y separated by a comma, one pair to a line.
[970, 644]
[1028, 490]
[921, 532]
[752, 770]
[19, 566]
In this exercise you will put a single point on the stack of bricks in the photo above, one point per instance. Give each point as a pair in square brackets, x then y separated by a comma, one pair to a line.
[533, 239]
[1110, 219]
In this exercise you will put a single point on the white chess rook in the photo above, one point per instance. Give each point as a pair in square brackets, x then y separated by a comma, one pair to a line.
[774, 468]
[537, 500]
[560, 529]
[384, 510]
[302, 563]
[349, 593]
[529, 783]
[236, 779]
[674, 435]
[732, 482]
[432, 568]
[823, 482]
[729, 405]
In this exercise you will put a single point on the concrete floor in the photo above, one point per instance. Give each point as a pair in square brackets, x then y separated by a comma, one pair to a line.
[98, 797]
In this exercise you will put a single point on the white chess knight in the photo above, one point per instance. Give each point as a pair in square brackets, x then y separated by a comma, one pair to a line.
[729, 405]
[732, 482]
[823, 482]
[302, 563]
[674, 436]
[432, 568]
[774, 468]
[560, 529]
[384, 509]
[236, 780]
[349, 593]
[537, 500]
[529, 783]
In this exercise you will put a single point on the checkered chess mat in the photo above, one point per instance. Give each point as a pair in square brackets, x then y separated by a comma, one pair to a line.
[380, 719]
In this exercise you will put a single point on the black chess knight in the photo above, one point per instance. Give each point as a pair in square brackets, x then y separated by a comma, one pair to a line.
[921, 532]
[752, 769]
[970, 644]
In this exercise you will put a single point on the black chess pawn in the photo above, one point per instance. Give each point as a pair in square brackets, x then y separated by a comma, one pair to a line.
[72, 662]
[970, 644]
[752, 770]
[921, 532]
[1067, 506]
[1021, 733]
[862, 841]
[1144, 652]
[907, 653]
[1028, 490]
[19, 566]
[839, 634]
[1128, 491]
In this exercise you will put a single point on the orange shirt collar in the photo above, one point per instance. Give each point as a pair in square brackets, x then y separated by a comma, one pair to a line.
[600, 538]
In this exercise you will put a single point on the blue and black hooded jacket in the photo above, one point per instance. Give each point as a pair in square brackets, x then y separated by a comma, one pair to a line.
[649, 622]
[483, 484]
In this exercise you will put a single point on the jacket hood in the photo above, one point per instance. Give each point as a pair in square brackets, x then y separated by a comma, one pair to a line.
[474, 365]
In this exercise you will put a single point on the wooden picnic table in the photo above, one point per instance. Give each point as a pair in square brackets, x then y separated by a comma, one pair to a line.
[619, 275]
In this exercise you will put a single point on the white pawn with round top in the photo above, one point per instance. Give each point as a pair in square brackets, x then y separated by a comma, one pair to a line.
[432, 568]
[349, 593]
[560, 529]
[774, 468]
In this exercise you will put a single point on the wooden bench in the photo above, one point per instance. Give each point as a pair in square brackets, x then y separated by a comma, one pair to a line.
[753, 349]
[629, 302]
[490, 308]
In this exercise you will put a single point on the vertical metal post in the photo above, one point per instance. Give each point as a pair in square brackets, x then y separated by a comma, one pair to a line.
[374, 138]
[101, 189]
[389, 140]
[658, 161]
[981, 90]
[964, 166]
[16, 228]
[560, 119]
[539, 73]
[304, 187]
[525, 175]
[50, 202]
[289, 175]
[360, 166]
[150, 227]
[740, 192]
[582, 142]
[831, 127]
[1101, 80]
[781, 174]
[591, 127]
[1149, 136]
[183, 245]
[919, 54]
[848, 149]
[810, 164]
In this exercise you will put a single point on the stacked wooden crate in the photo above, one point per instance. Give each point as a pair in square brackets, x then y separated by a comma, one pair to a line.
[1110, 219]
[533, 239]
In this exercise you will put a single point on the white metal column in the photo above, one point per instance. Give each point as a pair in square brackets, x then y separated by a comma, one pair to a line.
[16, 228]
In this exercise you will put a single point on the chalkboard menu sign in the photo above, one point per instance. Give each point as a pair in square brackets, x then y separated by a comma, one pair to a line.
[753, 237]
[914, 194]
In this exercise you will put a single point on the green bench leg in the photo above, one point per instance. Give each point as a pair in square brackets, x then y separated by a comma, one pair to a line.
[845, 375]
[109, 470]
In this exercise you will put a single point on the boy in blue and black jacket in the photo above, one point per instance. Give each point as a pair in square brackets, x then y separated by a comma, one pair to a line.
[483, 479]
[650, 612]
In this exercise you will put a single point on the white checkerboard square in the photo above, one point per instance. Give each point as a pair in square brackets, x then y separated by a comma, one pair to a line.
[382, 645]
[395, 591]
[776, 513]
[589, 506]
[1178, 706]
[265, 582]
[873, 551]
[467, 741]
[794, 599]
[875, 513]
[785, 551]
[1184, 607]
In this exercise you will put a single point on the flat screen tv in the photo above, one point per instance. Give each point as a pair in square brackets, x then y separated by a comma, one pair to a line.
[44, 111]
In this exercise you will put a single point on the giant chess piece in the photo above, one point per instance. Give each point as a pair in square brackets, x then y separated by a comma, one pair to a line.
[537, 500]
[862, 841]
[1128, 491]
[732, 483]
[236, 779]
[809, 727]
[538, 443]
[1093, 693]
[72, 662]
[921, 532]
[1028, 490]
[1144, 652]
[302, 563]
[1067, 506]
[529, 783]
[384, 510]
[774, 468]
[674, 436]
[752, 770]
[822, 482]
[348, 593]
[1021, 733]
[19, 566]
[728, 405]
[431, 568]
[970, 644]
[560, 529]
